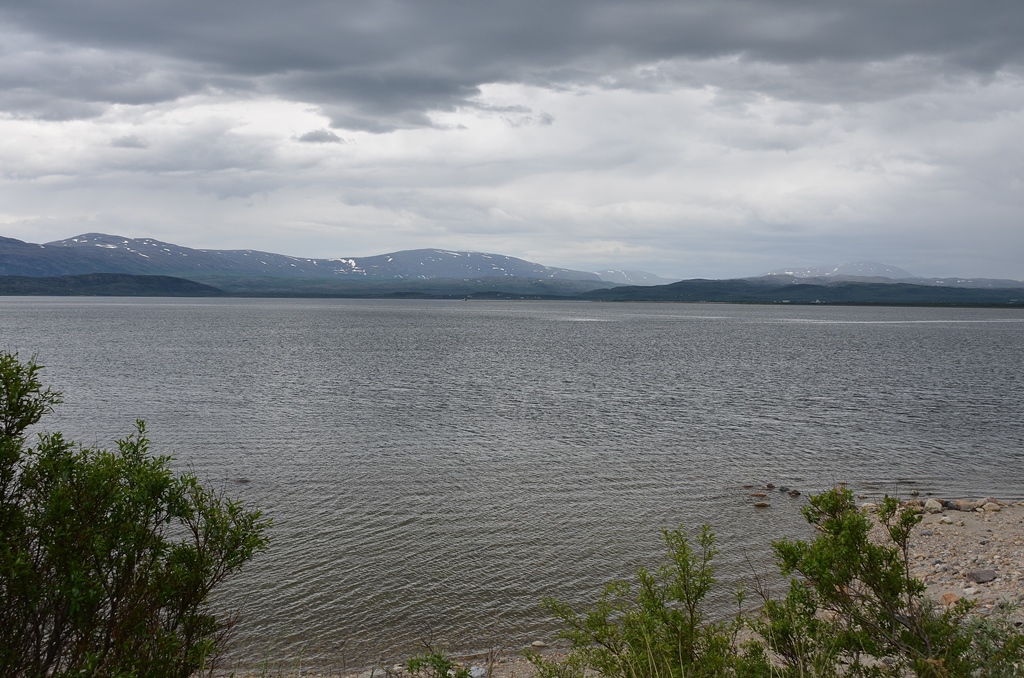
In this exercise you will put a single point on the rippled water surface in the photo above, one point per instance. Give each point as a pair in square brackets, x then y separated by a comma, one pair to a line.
[434, 468]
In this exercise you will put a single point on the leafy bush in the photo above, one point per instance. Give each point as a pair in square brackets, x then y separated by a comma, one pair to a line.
[855, 604]
[852, 609]
[657, 627]
[107, 559]
[435, 663]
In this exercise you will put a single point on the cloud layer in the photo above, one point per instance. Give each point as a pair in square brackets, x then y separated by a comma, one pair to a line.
[687, 138]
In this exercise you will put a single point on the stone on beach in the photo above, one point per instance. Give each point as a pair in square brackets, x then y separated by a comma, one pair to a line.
[933, 506]
[981, 576]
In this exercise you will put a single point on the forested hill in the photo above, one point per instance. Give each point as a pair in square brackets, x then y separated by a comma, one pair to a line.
[105, 285]
[759, 291]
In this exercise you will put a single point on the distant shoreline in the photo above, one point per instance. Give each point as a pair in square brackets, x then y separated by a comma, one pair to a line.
[500, 289]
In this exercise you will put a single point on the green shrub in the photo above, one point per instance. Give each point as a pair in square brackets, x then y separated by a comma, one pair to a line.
[852, 609]
[107, 558]
[657, 627]
[435, 664]
[854, 604]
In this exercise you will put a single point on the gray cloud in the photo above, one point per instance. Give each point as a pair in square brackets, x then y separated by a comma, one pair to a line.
[129, 141]
[693, 137]
[380, 66]
[321, 136]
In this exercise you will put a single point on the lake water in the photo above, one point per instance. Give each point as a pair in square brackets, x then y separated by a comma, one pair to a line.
[433, 469]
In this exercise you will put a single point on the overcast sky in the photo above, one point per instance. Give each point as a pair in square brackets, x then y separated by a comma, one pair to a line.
[695, 138]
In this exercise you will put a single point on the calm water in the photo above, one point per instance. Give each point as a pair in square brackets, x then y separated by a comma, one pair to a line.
[434, 468]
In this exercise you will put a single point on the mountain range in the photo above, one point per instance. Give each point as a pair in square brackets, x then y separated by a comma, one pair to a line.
[100, 264]
[870, 271]
[101, 253]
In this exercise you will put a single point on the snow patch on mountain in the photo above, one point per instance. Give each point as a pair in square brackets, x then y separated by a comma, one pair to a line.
[857, 269]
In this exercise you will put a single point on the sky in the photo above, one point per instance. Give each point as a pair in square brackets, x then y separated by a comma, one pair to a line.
[691, 138]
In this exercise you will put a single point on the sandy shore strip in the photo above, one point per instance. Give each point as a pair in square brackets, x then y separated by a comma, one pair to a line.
[963, 548]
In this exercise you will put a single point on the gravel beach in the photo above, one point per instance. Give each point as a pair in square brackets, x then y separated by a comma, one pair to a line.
[976, 554]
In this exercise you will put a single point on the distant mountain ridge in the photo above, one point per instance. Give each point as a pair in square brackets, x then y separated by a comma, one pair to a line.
[102, 253]
[857, 269]
[869, 271]
[633, 278]
[437, 273]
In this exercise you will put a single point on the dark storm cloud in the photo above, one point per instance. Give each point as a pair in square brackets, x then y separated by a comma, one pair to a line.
[385, 64]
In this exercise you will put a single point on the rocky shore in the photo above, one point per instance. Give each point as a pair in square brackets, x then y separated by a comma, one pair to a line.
[971, 549]
[963, 549]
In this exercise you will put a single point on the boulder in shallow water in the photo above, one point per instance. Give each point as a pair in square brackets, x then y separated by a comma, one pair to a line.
[761, 504]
